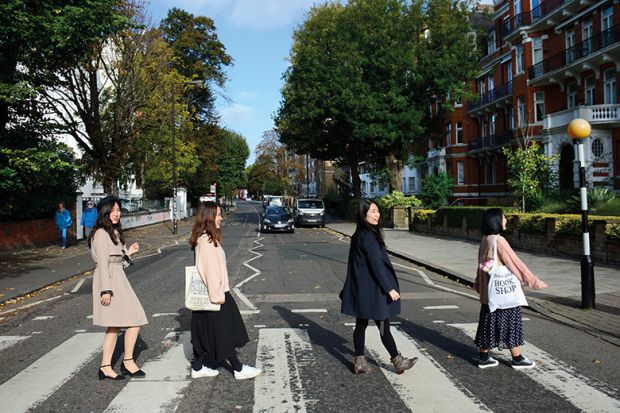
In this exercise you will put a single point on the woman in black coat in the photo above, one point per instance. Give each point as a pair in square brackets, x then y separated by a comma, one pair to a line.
[371, 289]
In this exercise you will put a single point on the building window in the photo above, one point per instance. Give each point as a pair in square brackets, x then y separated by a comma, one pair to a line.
[485, 170]
[492, 124]
[491, 46]
[412, 184]
[482, 87]
[519, 59]
[609, 85]
[571, 95]
[459, 132]
[570, 47]
[449, 134]
[539, 106]
[460, 173]
[586, 38]
[589, 90]
[372, 187]
[521, 111]
[511, 118]
[483, 131]
[493, 170]
[537, 50]
[506, 25]
[597, 147]
[607, 33]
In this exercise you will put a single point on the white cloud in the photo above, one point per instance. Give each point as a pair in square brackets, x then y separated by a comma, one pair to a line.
[247, 95]
[267, 14]
[235, 114]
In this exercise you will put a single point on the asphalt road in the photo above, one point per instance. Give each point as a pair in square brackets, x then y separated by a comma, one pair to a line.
[287, 288]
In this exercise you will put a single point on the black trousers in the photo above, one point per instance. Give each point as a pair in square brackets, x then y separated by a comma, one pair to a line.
[359, 336]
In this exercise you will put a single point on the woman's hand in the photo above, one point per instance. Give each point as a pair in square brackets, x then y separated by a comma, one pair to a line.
[106, 299]
[394, 295]
[133, 249]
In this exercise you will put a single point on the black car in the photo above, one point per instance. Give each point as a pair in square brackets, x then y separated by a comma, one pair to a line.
[277, 218]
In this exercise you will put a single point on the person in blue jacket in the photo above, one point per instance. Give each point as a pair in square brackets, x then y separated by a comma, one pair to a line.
[89, 217]
[371, 290]
[63, 222]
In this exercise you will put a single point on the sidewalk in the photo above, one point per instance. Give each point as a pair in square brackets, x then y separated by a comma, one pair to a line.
[457, 259]
[27, 270]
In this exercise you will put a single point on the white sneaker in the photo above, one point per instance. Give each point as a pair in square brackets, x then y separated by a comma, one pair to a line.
[204, 372]
[523, 364]
[247, 372]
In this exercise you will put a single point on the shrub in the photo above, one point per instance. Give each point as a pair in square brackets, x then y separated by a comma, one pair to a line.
[436, 189]
[399, 199]
[473, 214]
[532, 223]
[420, 215]
[613, 231]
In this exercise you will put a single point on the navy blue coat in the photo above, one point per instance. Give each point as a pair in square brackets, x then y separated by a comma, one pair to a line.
[370, 277]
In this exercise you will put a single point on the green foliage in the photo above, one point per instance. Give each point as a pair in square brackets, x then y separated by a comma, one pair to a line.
[34, 180]
[532, 223]
[529, 174]
[601, 201]
[421, 215]
[397, 199]
[233, 155]
[612, 231]
[436, 189]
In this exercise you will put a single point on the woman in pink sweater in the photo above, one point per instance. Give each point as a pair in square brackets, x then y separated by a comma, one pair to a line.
[501, 328]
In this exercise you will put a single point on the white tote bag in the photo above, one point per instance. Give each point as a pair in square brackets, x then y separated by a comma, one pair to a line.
[196, 293]
[505, 289]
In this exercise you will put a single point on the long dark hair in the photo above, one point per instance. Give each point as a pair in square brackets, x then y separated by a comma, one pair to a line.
[104, 221]
[492, 220]
[205, 224]
[362, 224]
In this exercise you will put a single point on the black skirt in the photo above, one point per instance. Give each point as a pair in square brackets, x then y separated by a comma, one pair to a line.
[501, 328]
[217, 334]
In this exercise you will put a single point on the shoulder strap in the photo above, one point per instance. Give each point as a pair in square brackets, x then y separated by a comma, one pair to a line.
[495, 251]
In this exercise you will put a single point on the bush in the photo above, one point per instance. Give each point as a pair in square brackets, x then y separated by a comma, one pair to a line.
[473, 214]
[397, 198]
[436, 189]
[420, 215]
[532, 223]
[613, 231]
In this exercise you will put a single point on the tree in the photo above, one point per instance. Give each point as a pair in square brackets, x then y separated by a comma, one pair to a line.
[233, 156]
[198, 55]
[436, 189]
[363, 75]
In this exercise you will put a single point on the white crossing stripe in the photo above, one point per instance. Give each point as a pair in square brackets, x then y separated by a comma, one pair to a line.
[441, 307]
[309, 310]
[280, 353]
[43, 317]
[561, 378]
[166, 378]
[43, 377]
[10, 341]
[427, 387]
[166, 314]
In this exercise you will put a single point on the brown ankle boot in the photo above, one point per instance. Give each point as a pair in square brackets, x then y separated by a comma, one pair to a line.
[401, 363]
[361, 365]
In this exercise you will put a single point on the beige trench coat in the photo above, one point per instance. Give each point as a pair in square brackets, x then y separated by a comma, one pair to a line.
[125, 309]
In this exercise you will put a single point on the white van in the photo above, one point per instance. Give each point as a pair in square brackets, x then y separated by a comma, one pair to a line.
[310, 211]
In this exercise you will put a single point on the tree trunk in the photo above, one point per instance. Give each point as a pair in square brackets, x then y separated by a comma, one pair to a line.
[355, 178]
[395, 167]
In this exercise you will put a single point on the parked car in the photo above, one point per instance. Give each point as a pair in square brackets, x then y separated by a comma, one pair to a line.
[310, 211]
[272, 200]
[277, 218]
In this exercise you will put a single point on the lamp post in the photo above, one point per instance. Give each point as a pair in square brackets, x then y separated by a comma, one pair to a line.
[174, 154]
[578, 130]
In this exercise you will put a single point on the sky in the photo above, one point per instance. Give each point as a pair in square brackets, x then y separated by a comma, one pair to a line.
[257, 34]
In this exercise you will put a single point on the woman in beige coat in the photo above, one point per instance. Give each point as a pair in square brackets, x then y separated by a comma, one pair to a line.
[115, 304]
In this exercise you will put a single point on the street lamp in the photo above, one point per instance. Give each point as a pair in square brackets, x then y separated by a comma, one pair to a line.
[578, 130]
[174, 155]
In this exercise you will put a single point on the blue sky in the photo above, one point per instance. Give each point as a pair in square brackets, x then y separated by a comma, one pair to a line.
[258, 36]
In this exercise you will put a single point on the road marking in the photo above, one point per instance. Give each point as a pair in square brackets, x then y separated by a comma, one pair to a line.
[280, 353]
[165, 314]
[421, 273]
[441, 307]
[31, 304]
[10, 341]
[259, 326]
[438, 322]
[427, 387]
[38, 381]
[562, 379]
[78, 285]
[309, 310]
[89, 316]
[166, 378]
[43, 317]
[79, 331]
[257, 272]
[248, 312]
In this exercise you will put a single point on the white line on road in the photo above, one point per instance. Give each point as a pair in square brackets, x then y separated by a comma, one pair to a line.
[38, 381]
[441, 307]
[259, 326]
[10, 341]
[77, 286]
[247, 312]
[166, 315]
[562, 378]
[167, 377]
[424, 276]
[236, 289]
[427, 387]
[309, 310]
[281, 352]
[43, 317]
[31, 304]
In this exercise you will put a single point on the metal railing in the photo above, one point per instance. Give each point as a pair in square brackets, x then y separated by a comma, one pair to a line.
[536, 14]
[491, 96]
[587, 47]
[491, 141]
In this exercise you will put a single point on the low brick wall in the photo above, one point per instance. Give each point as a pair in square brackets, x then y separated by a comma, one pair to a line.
[29, 233]
[602, 250]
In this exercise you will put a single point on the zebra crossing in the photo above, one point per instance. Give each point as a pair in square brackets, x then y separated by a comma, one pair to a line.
[283, 354]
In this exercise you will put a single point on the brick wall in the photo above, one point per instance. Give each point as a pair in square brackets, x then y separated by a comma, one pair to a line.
[28, 233]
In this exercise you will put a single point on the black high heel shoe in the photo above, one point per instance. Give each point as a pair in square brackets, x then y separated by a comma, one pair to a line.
[138, 373]
[103, 376]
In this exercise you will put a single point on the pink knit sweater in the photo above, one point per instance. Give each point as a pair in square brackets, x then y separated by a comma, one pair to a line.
[505, 256]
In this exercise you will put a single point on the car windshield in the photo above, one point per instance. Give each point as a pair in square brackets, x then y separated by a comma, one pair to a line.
[310, 204]
[276, 211]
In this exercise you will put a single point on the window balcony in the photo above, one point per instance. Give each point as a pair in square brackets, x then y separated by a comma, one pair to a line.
[600, 116]
[499, 95]
[585, 55]
[548, 14]
[491, 142]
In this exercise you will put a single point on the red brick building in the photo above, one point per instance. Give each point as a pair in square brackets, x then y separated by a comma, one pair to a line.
[547, 63]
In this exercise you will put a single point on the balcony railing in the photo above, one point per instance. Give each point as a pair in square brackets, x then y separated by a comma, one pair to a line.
[595, 114]
[533, 16]
[589, 46]
[491, 141]
[491, 96]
